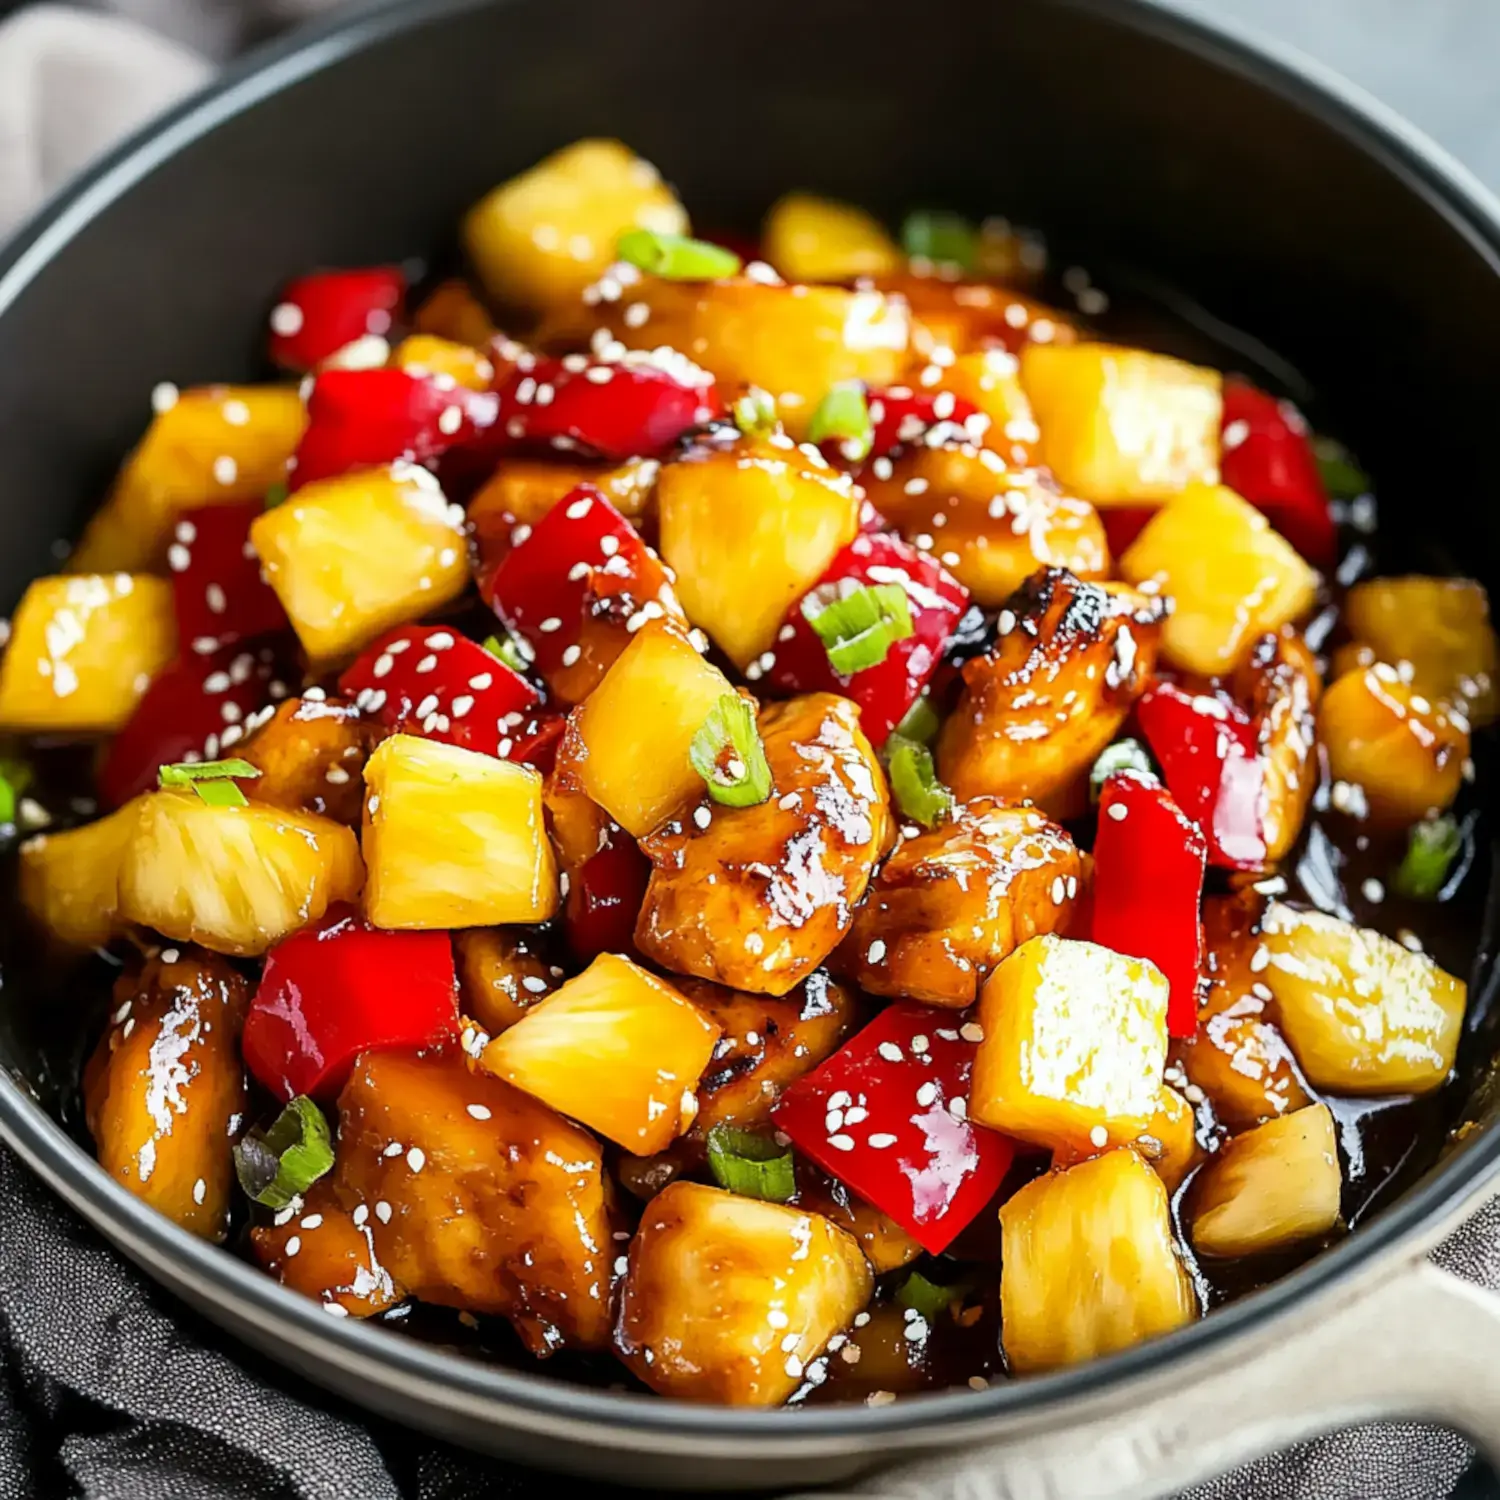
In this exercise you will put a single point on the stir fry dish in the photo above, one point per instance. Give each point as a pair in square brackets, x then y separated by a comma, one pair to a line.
[794, 825]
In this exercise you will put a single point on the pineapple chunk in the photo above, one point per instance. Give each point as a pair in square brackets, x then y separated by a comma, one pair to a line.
[616, 1048]
[1363, 1014]
[819, 239]
[165, 1090]
[325, 1255]
[1088, 1266]
[311, 754]
[629, 739]
[1170, 1143]
[990, 379]
[83, 649]
[235, 879]
[501, 975]
[1075, 1040]
[1273, 1187]
[215, 445]
[351, 557]
[1122, 426]
[1230, 577]
[495, 1204]
[1404, 751]
[539, 239]
[747, 532]
[452, 311]
[1442, 627]
[523, 490]
[729, 1299]
[992, 526]
[453, 838]
[70, 882]
[425, 354]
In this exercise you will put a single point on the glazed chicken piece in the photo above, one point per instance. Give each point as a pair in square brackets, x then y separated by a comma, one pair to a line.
[164, 1092]
[1035, 713]
[501, 973]
[756, 898]
[311, 756]
[478, 1196]
[886, 1245]
[949, 904]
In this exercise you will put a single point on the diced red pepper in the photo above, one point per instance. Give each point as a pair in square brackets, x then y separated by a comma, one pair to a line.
[610, 411]
[901, 417]
[1267, 458]
[888, 1115]
[357, 419]
[1123, 524]
[318, 315]
[537, 739]
[886, 691]
[218, 594]
[605, 897]
[1205, 745]
[430, 681]
[196, 710]
[340, 988]
[1149, 862]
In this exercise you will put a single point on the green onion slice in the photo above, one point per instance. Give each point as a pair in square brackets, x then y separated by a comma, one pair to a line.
[15, 777]
[844, 416]
[1123, 755]
[1342, 477]
[859, 627]
[675, 257]
[914, 782]
[727, 753]
[929, 1298]
[509, 650]
[1431, 848]
[755, 413]
[921, 722]
[944, 238]
[213, 780]
[753, 1166]
[280, 1164]
[276, 494]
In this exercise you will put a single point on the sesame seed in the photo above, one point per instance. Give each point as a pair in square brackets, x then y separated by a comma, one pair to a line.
[971, 1031]
[877, 951]
[286, 320]
[927, 1093]
[481, 681]
[200, 1191]
[479, 1111]
[213, 596]
[1118, 811]
[882, 1140]
[959, 1108]
[794, 1367]
[550, 624]
[293, 1245]
[1099, 1137]
[226, 470]
[1059, 890]
[919, 1044]
[236, 413]
[891, 1052]
[841, 1142]
[416, 1158]
[360, 1214]
[702, 816]
[163, 396]
[1374, 891]
[571, 655]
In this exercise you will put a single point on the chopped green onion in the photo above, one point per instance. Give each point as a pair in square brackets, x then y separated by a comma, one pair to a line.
[1342, 477]
[921, 722]
[1432, 847]
[15, 777]
[859, 628]
[844, 415]
[944, 238]
[675, 257]
[753, 1166]
[276, 494]
[280, 1164]
[213, 780]
[927, 1297]
[914, 782]
[509, 650]
[8, 799]
[755, 412]
[727, 753]
[1123, 755]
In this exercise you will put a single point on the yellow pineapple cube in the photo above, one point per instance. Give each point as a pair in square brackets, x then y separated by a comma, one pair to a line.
[808, 238]
[539, 239]
[634, 730]
[351, 557]
[1363, 1014]
[1123, 426]
[615, 1047]
[83, 649]
[453, 838]
[426, 354]
[747, 533]
[235, 879]
[1403, 750]
[1269, 1189]
[214, 445]
[1170, 1143]
[729, 1299]
[70, 882]
[1075, 1041]
[1088, 1264]
[1230, 577]
[990, 379]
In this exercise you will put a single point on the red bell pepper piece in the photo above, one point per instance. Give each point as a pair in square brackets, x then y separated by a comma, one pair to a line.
[1268, 459]
[1149, 862]
[319, 314]
[1205, 745]
[195, 710]
[537, 739]
[430, 681]
[340, 988]
[605, 897]
[888, 1115]
[218, 594]
[886, 691]
[1123, 524]
[901, 416]
[357, 419]
[637, 408]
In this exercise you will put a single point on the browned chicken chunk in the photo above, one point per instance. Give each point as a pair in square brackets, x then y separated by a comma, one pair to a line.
[312, 756]
[756, 898]
[501, 974]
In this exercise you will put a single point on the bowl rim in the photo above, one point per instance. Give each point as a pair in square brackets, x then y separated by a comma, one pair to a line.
[1424, 168]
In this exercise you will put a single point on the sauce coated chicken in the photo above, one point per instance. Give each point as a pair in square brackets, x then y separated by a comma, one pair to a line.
[788, 827]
